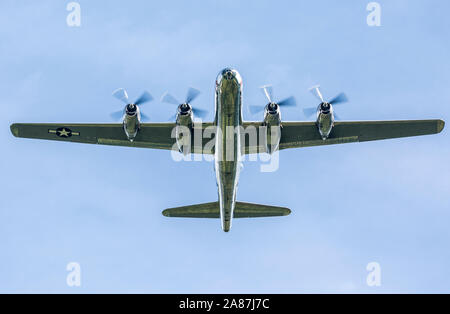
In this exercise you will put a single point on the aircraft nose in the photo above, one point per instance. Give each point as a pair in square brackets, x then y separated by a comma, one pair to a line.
[228, 74]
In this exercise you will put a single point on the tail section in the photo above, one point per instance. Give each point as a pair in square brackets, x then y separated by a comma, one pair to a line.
[206, 210]
[212, 210]
[249, 210]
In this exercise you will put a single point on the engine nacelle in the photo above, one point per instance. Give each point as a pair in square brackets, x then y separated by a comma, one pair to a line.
[184, 124]
[131, 121]
[272, 122]
[325, 119]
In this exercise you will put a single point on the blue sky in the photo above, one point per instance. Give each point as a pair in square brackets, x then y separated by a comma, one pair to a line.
[385, 202]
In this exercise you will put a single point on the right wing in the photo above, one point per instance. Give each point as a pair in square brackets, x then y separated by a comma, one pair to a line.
[150, 135]
[304, 134]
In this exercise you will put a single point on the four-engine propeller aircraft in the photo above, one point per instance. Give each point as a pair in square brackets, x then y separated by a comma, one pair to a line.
[229, 145]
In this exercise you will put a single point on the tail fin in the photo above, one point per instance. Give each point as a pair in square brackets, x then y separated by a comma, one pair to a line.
[212, 210]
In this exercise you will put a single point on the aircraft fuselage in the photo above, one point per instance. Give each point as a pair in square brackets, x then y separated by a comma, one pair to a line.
[227, 156]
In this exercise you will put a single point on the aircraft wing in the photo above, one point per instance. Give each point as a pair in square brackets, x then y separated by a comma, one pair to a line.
[293, 134]
[150, 135]
[304, 134]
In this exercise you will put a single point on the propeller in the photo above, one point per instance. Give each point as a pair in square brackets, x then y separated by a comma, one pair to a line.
[122, 95]
[191, 95]
[268, 92]
[337, 100]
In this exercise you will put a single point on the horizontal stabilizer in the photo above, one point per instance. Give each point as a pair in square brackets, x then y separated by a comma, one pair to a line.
[241, 210]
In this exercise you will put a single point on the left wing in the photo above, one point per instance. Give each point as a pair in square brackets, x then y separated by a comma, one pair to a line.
[150, 135]
[304, 134]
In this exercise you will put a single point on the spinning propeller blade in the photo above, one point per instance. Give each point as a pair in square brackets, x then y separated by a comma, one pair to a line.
[288, 102]
[339, 99]
[268, 92]
[315, 90]
[191, 95]
[122, 95]
[117, 115]
[145, 97]
[169, 99]
[308, 112]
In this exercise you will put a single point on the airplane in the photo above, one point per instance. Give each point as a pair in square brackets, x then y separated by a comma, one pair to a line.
[229, 144]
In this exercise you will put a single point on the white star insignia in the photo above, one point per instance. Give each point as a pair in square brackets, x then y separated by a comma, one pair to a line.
[64, 132]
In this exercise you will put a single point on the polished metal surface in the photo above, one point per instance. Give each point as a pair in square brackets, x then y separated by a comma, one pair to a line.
[131, 121]
[325, 121]
[227, 147]
[272, 122]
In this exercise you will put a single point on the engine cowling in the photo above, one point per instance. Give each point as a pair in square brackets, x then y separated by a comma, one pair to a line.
[325, 114]
[184, 123]
[272, 122]
[131, 115]
[131, 121]
[325, 119]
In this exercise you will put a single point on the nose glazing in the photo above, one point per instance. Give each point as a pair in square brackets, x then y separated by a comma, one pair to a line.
[228, 74]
